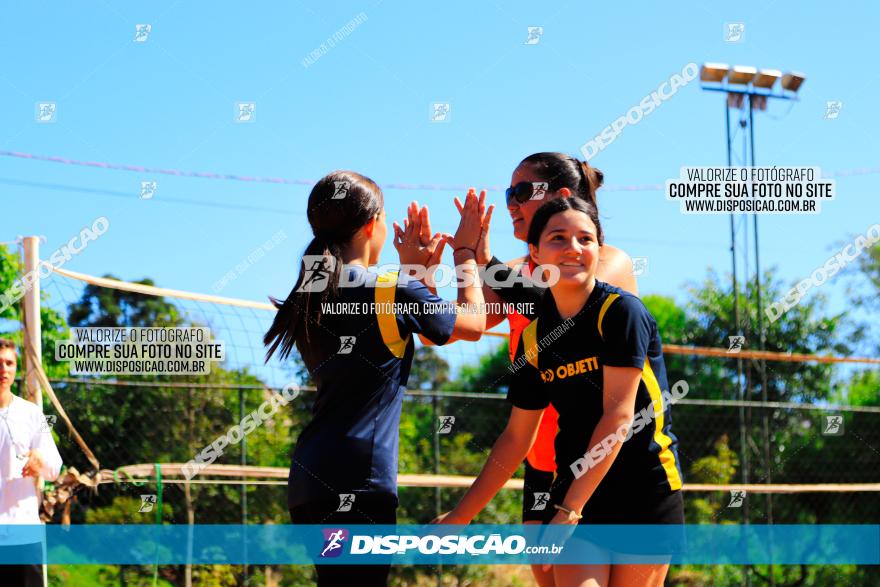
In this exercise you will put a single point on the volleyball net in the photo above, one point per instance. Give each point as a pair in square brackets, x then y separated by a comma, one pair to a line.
[743, 460]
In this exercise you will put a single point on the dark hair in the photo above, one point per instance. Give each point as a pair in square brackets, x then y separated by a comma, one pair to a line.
[562, 171]
[340, 204]
[8, 344]
[554, 207]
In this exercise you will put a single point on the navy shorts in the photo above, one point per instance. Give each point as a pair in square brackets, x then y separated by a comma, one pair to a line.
[536, 494]
[366, 509]
[631, 507]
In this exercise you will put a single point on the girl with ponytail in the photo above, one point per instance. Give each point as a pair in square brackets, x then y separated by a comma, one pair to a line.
[358, 348]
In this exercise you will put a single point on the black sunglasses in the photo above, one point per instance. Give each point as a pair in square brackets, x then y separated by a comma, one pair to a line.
[527, 190]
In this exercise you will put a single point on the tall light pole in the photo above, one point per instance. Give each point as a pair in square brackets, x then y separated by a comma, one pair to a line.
[740, 83]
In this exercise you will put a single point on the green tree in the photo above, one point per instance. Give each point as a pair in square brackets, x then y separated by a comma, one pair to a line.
[53, 326]
[868, 269]
[429, 370]
[106, 307]
[488, 375]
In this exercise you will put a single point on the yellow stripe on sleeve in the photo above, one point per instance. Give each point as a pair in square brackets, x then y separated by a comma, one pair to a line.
[530, 342]
[607, 304]
[386, 288]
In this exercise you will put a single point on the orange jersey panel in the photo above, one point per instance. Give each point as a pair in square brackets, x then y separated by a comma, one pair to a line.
[543, 454]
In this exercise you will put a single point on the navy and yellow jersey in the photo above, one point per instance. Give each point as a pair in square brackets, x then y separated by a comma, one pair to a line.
[360, 357]
[561, 363]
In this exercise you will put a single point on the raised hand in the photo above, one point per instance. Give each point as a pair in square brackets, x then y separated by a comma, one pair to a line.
[414, 242]
[562, 519]
[474, 220]
[484, 253]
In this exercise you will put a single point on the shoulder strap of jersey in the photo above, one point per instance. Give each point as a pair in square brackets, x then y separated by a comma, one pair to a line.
[605, 305]
[530, 342]
[386, 288]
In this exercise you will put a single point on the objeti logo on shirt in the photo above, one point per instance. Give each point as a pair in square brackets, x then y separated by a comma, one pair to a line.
[334, 538]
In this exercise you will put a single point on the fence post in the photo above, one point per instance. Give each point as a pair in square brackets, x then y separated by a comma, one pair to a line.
[244, 503]
[32, 334]
[437, 495]
[32, 338]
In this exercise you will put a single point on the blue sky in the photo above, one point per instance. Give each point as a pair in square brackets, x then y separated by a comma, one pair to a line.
[169, 102]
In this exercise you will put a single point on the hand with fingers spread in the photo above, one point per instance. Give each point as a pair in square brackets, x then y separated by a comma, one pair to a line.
[564, 519]
[414, 242]
[484, 253]
[474, 226]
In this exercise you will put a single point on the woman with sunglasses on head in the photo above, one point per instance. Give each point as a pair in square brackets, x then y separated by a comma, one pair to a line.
[540, 178]
[603, 367]
[344, 465]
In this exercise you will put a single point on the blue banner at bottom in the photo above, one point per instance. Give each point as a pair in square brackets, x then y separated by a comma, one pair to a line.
[432, 545]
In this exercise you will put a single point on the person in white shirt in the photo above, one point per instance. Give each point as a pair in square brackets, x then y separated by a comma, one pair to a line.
[27, 453]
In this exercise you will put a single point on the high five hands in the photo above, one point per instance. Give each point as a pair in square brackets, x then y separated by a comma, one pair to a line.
[475, 218]
[417, 245]
[414, 242]
[474, 215]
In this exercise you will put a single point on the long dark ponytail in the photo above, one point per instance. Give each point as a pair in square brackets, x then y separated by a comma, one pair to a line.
[562, 171]
[340, 204]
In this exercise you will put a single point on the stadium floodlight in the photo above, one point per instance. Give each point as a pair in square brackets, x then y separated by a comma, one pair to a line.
[766, 78]
[759, 101]
[714, 72]
[792, 81]
[741, 74]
